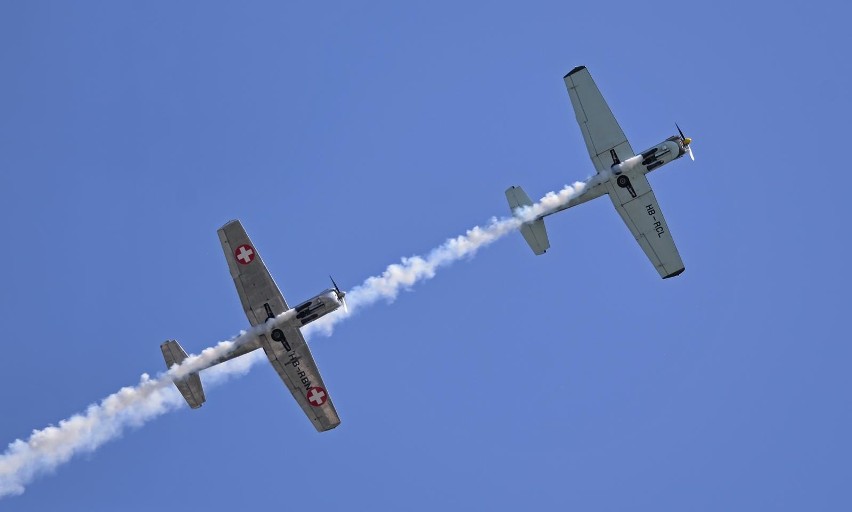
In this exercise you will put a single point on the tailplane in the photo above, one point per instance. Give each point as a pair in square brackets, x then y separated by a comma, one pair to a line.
[534, 232]
[189, 386]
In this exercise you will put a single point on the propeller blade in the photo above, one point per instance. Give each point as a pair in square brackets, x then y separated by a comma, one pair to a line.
[340, 295]
[686, 141]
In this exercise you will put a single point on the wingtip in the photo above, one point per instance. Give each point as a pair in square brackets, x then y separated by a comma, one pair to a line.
[575, 70]
[232, 221]
[327, 427]
[675, 274]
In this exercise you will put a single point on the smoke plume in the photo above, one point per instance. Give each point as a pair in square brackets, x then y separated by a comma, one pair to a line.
[47, 449]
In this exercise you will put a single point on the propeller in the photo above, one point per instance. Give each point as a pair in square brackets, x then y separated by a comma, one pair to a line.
[340, 294]
[686, 142]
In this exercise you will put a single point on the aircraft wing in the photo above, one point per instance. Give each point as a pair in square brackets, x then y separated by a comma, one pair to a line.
[604, 137]
[635, 201]
[258, 292]
[261, 299]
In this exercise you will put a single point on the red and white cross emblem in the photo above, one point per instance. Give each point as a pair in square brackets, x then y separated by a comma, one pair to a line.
[317, 396]
[244, 254]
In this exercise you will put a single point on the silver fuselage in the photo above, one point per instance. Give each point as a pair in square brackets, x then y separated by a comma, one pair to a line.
[653, 158]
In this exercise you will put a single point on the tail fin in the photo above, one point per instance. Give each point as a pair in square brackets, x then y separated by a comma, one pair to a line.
[534, 232]
[189, 386]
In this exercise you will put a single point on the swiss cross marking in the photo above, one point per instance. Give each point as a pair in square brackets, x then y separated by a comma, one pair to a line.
[244, 254]
[317, 396]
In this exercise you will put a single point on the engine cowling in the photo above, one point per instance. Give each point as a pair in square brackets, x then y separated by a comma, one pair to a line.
[661, 154]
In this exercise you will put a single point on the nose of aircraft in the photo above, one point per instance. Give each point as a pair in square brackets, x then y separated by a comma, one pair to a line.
[340, 294]
[686, 142]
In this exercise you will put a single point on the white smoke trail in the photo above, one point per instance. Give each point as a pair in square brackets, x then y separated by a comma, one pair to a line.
[50, 447]
[403, 275]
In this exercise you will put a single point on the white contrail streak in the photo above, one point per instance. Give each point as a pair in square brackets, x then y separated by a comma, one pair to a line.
[50, 447]
[403, 275]
[132, 406]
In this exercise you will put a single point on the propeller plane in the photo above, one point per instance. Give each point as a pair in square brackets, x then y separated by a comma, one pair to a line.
[623, 172]
[281, 338]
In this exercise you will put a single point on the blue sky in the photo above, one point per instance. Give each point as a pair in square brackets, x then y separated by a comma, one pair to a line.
[347, 136]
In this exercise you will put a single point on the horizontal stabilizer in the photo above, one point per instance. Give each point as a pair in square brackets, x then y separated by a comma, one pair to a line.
[189, 386]
[534, 232]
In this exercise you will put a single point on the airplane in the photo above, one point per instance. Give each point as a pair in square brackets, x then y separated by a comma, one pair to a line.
[280, 337]
[627, 186]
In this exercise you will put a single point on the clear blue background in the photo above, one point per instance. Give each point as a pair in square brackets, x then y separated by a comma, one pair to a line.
[346, 136]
